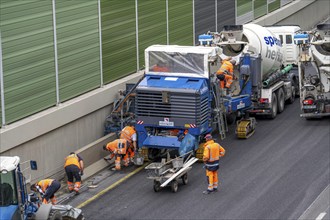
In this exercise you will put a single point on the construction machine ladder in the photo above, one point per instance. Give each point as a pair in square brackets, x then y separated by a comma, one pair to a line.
[220, 111]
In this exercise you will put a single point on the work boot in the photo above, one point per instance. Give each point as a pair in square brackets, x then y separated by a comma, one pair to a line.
[207, 192]
[215, 190]
[53, 200]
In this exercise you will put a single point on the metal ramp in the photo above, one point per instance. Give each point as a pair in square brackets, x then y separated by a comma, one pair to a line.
[220, 111]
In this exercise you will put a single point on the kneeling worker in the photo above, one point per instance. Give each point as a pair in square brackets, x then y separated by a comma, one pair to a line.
[47, 188]
[74, 169]
[118, 149]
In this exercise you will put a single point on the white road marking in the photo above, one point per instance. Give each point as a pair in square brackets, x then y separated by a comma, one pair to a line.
[321, 215]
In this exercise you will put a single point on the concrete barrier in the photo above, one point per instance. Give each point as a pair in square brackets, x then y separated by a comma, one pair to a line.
[93, 155]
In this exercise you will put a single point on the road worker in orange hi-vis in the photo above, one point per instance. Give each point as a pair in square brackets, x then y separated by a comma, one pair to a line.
[160, 67]
[47, 189]
[226, 73]
[212, 153]
[74, 169]
[129, 133]
[118, 149]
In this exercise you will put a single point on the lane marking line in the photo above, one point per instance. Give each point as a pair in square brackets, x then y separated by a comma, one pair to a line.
[309, 207]
[110, 187]
[321, 215]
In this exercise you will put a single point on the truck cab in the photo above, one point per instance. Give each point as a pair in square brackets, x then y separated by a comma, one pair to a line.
[11, 194]
[286, 35]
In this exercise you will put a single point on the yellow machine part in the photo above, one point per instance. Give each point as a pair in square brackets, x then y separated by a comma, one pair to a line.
[200, 152]
[245, 128]
[145, 154]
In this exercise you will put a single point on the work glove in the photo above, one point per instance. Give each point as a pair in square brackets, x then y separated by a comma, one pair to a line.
[81, 173]
[104, 147]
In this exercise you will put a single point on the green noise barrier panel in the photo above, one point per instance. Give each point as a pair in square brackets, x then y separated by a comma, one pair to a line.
[78, 47]
[28, 57]
[118, 39]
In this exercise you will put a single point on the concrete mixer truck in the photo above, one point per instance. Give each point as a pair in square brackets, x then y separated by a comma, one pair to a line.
[314, 72]
[270, 84]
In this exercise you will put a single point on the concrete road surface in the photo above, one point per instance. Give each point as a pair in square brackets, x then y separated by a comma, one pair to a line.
[276, 174]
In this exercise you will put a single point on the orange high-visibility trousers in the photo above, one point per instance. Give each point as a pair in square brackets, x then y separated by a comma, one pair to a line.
[70, 185]
[227, 82]
[212, 179]
[77, 186]
[118, 161]
[131, 153]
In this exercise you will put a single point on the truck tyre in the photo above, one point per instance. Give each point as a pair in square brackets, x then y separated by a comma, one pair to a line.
[231, 118]
[54, 215]
[274, 106]
[293, 95]
[280, 100]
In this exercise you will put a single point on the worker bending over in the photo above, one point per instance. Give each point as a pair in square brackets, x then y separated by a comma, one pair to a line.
[47, 189]
[118, 149]
[226, 73]
[129, 133]
[212, 153]
[74, 169]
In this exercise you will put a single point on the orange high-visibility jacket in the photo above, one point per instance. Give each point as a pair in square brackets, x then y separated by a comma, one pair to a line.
[72, 159]
[226, 65]
[44, 184]
[212, 151]
[118, 146]
[127, 133]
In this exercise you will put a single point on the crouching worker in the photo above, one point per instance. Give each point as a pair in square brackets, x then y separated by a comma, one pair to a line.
[47, 189]
[74, 169]
[118, 149]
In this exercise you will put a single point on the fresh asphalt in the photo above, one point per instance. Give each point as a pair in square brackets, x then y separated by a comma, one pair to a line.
[278, 173]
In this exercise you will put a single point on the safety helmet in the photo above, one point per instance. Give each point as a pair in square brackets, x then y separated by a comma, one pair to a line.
[208, 137]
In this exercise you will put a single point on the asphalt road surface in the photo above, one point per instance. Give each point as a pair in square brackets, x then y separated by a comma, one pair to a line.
[275, 174]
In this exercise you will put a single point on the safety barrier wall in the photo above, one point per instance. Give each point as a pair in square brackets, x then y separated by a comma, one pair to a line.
[49, 136]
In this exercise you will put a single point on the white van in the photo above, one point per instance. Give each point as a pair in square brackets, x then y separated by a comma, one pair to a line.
[285, 34]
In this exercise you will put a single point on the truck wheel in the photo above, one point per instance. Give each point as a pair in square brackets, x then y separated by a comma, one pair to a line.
[280, 100]
[174, 186]
[54, 215]
[293, 95]
[274, 106]
[231, 118]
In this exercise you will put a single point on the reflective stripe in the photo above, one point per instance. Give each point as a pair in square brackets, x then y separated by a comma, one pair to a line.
[213, 157]
[212, 165]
